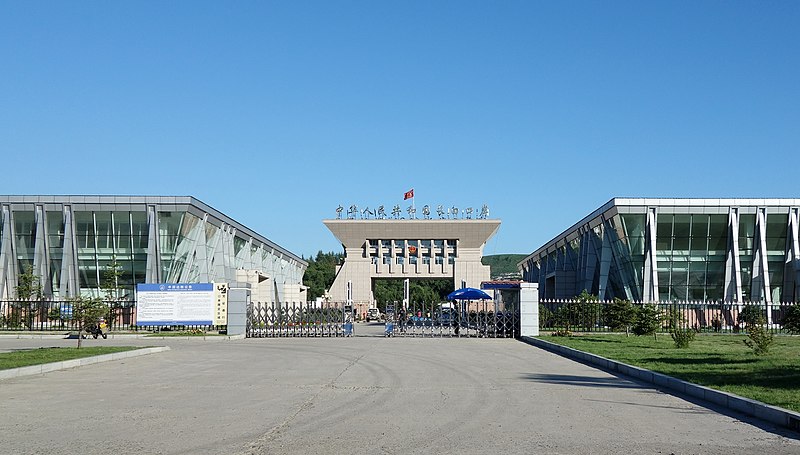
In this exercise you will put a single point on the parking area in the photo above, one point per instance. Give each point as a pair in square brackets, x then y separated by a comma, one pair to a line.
[357, 395]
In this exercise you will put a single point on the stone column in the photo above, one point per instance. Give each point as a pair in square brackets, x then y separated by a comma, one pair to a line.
[238, 300]
[529, 309]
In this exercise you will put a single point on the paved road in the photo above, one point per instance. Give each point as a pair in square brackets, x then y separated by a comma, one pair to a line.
[357, 395]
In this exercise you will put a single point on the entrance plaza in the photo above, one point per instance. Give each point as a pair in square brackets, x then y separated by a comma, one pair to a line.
[357, 395]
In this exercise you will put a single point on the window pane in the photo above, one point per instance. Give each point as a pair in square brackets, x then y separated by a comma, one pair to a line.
[699, 226]
[680, 244]
[682, 226]
[776, 233]
[103, 223]
[697, 274]
[664, 226]
[747, 226]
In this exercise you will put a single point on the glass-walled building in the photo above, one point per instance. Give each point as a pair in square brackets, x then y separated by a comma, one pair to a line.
[70, 241]
[733, 250]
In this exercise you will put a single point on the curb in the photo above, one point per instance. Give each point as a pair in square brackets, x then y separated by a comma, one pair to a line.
[54, 366]
[121, 336]
[773, 414]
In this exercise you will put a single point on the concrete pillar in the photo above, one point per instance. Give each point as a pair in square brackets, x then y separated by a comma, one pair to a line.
[238, 301]
[529, 309]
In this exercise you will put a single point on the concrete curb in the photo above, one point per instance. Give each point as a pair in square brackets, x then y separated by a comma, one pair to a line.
[122, 336]
[54, 366]
[773, 414]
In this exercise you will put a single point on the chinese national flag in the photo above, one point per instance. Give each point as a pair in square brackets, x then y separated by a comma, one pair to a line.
[408, 194]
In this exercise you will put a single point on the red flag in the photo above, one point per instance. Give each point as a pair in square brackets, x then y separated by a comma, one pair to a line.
[408, 194]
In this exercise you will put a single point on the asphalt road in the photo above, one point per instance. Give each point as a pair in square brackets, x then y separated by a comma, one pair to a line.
[357, 395]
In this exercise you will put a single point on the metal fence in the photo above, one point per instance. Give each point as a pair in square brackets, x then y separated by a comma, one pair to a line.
[719, 317]
[462, 319]
[298, 320]
[56, 315]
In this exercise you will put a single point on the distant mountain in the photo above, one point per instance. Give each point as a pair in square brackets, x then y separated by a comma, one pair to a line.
[504, 265]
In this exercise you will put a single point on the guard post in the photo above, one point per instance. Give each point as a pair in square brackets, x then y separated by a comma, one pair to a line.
[529, 309]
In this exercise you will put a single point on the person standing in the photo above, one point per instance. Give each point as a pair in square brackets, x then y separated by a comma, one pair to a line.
[401, 319]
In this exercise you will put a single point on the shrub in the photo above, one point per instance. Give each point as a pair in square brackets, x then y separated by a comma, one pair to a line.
[648, 320]
[791, 320]
[759, 340]
[619, 315]
[14, 319]
[680, 334]
[582, 312]
[752, 315]
[562, 333]
[716, 323]
[682, 337]
[545, 316]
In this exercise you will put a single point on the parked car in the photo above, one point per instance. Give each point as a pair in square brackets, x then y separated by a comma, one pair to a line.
[373, 314]
[447, 318]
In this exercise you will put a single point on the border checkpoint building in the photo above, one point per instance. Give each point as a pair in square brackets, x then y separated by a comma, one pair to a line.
[68, 241]
[731, 250]
[394, 248]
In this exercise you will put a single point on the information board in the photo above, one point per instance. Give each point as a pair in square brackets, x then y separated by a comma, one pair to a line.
[175, 304]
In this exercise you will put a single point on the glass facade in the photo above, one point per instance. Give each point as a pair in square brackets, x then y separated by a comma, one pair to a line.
[690, 254]
[705, 250]
[70, 243]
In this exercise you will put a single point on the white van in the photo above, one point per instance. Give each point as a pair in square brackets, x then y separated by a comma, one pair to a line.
[373, 314]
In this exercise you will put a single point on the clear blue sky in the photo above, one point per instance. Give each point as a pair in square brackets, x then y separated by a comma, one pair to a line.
[277, 112]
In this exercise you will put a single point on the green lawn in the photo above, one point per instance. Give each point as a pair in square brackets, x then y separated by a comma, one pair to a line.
[721, 362]
[28, 357]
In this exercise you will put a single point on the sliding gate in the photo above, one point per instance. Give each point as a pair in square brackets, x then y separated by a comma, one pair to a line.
[467, 319]
[455, 319]
[298, 320]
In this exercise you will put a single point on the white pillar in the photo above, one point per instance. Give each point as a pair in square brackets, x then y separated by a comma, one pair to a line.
[529, 309]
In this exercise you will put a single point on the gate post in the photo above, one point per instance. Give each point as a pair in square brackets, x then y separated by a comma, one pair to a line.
[238, 299]
[529, 309]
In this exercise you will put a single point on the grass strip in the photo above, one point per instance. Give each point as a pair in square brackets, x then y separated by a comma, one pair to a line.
[38, 356]
[722, 362]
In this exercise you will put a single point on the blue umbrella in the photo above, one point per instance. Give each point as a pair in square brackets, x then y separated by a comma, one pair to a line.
[468, 294]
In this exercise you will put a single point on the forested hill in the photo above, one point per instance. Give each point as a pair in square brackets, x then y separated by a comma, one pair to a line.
[504, 265]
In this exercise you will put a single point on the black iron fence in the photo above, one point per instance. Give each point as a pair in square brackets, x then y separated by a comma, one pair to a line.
[720, 317]
[327, 319]
[57, 316]
[478, 318]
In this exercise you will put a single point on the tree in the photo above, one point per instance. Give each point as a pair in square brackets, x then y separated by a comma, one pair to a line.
[87, 311]
[420, 293]
[28, 290]
[759, 338]
[619, 315]
[791, 320]
[680, 334]
[387, 291]
[110, 286]
[320, 273]
[752, 315]
[648, 320]
[29, 285]
[582, 311]
[111, 277]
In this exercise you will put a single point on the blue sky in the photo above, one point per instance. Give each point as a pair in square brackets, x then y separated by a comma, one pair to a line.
[275, 113]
